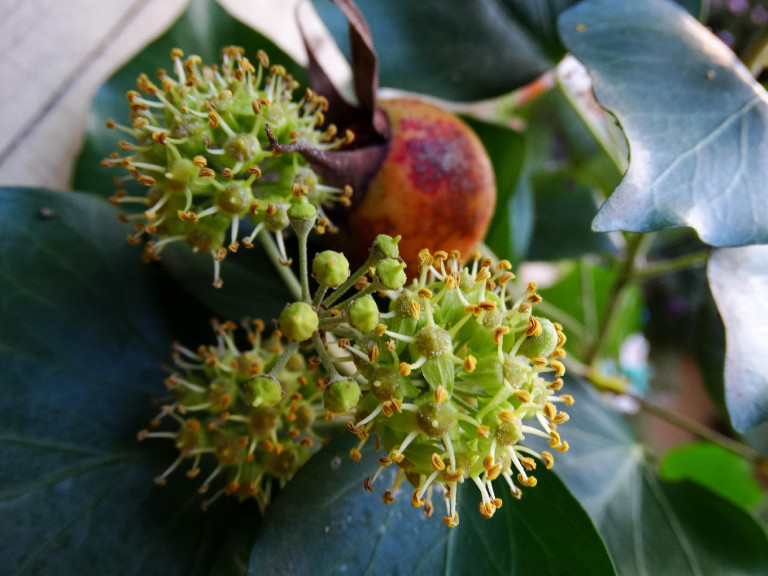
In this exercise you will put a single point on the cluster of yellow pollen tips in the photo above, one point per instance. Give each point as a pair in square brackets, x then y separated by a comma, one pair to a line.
[247, 437]
[205, 155]
[453, 378]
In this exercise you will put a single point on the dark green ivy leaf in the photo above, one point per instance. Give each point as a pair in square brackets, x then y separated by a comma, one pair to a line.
[325, 523]
[695, 119]
[649, 525]
[84, 331]
[451, 50]
[738, 278]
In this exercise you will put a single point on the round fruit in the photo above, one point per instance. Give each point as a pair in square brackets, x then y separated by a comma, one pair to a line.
[436, 187]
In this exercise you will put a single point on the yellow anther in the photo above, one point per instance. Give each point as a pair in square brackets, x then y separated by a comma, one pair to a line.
[495, 471]
[504, 265]
[524, 308]
[532, 287]
[483, 431]
[539, 361]
[380, 329]
[549, 410]
[200, 161]
[528, 463]
[437, 462]
[556, 385]
[507, 416]
[529, 481]
[425, 293]
[487, 305]
[549, 460]
[534, 327]
[451, 521]
[373, 353]
[441, 394]
[425, 258]
[450, 282]
[562, 447]
[483, 275]
[355, 454]
[416, 500]
[470, 363]
[488, 462]
[404, 368]
[561, 418]
[499, 332]
[414, 309]
[559, 368]
[206, 173]
[440, 256]
[213, 120]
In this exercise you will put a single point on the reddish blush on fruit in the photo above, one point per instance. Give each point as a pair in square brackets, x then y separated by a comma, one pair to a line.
[436, 187]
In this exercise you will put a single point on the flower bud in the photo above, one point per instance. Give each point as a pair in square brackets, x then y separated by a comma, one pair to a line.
[263, 391]
[386, 246]
[364, 314]
[436, 418]
[341, 395]
[298, 321]
[301, 211]
[433, 341]
[542, 345]
[391, 274]
[330, 268]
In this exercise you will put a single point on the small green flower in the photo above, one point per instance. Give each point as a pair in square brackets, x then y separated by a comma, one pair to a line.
[204, 144]
[298, 321]
[256, 427]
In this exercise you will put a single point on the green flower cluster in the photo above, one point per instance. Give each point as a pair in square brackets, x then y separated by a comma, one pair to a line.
[221, 410]
[454, 377]
[210, 146]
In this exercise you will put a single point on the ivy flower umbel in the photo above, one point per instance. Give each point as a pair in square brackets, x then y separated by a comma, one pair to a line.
[454, 377]
[221, 412]
[205, 144]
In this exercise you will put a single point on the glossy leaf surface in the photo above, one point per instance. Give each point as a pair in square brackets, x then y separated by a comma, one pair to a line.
[324, 522]
[85, 327]
[697, 123]
[738, 278]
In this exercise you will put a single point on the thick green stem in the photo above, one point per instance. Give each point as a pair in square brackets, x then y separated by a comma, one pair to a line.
[325, 358]
[672, 265]
[341, 290]
[287, 275]
[701, 431]
[370, 289]
[638, 244]
[289, 350]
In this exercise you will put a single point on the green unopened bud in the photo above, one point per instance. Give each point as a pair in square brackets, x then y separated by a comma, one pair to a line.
[391, 273]
[330, 268]
[263, 391]
[234, 199]
[341, 395]
[386, 246]
[509, 430]
[302, 211]
[242, 147]
[542, 345]
[515, 371]
[436, 418]
[433, 341]
[364, 314]
[298, 321]
[277, 220]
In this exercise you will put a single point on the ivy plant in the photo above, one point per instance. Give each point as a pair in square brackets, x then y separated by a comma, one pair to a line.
[302, 376]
